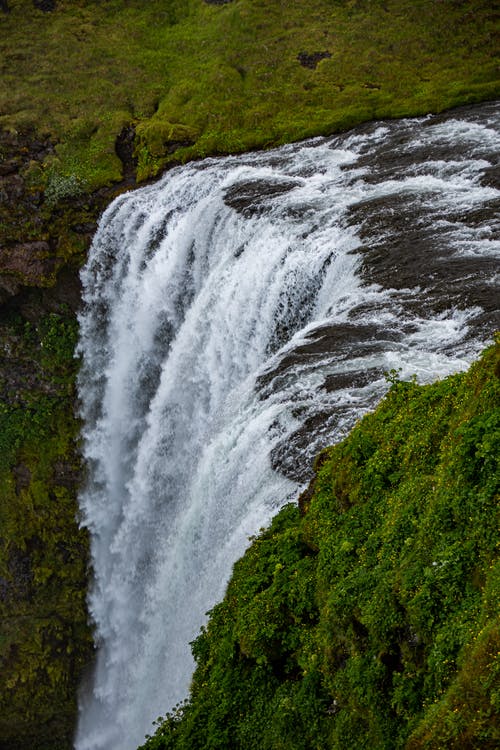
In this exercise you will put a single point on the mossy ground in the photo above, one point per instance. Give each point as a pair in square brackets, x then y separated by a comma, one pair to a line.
[369, 616]
[45, 639]
[197, 79]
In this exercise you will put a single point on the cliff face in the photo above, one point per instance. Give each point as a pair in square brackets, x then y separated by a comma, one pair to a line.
[368, 616]
[45, 634]
[95, 95]
[45, 637]
[44, 235]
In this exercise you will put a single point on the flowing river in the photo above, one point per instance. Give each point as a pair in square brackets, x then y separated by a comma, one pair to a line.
[238, 316]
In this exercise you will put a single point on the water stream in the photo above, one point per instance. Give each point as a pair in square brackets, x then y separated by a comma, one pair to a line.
[238, 316]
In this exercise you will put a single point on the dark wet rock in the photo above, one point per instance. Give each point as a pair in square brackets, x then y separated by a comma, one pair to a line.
[45, 5]
[491, 177]
[124, 148]
[392, 160]
[344, 340]
[473, 112]
[398, 155]
[351, 379]
[249, 198]
[295, 456]
[416, 243]
[218, 2]
[30, 261]
[4, 6]
[291, 457]
[403, 247]
[18, 584]
[487, 214]
[411, 239]
[311, 59]
[22, 477]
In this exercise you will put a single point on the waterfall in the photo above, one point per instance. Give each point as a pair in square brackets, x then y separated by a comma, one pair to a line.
[238, 316]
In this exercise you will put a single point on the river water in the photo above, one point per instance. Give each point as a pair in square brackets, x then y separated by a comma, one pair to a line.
[238, 316]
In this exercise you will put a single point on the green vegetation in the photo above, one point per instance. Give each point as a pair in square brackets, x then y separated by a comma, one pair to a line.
[97, 95]
[369, 616]
[198, 79]
[45, 639]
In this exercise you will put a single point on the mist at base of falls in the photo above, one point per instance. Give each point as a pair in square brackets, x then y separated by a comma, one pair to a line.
[239, 315]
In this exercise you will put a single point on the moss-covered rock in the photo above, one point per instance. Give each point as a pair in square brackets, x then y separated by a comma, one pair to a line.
[45, 638]
[369, 617]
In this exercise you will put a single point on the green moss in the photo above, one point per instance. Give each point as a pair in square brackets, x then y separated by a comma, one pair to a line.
[153, 138]
[45, 641]
[229, 76]
[370, 619]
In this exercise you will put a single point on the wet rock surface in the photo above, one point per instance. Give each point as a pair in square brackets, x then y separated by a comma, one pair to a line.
[342, 343]
[45, 5]
[342, 340]
[254, 197]
[425, 219]
[413, 237]
[124, 148]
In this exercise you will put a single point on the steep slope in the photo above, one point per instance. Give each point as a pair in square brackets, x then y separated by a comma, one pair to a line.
[45, 639]
[368, 617]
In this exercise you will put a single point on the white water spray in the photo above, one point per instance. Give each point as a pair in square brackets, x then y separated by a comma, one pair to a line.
[225, 307]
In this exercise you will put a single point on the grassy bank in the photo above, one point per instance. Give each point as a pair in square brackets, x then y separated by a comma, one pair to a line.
[368, 617]
[196, 78]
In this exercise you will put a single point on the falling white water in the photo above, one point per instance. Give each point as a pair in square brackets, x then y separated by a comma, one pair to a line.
[226, 307]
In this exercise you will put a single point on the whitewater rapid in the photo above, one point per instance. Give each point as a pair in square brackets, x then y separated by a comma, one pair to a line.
[238, 316]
